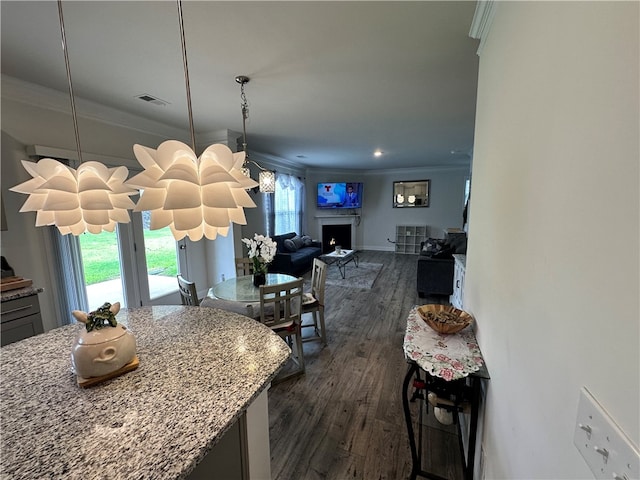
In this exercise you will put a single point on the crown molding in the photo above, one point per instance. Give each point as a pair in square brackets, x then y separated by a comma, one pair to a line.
[393, 171]
[482, 20]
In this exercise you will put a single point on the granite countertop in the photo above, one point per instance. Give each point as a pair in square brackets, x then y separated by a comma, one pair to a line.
[200, 368]
[19, 293]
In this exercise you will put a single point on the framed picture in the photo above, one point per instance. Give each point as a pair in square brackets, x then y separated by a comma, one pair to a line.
[411, 194]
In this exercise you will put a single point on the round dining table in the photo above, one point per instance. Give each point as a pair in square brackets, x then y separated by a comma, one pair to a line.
[242, 289]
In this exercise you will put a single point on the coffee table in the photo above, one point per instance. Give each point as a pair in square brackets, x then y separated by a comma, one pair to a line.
[340, 259]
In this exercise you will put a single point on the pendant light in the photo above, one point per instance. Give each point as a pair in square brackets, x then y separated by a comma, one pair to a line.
[194, 196]
[91, 198]
[266, 178]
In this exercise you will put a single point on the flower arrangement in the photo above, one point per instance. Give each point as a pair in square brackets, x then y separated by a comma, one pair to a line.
[262, 250]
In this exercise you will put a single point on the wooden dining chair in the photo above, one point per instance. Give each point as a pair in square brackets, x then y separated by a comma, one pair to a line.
[313, 302]
[188, 293]
[280, 309]
[244, 266]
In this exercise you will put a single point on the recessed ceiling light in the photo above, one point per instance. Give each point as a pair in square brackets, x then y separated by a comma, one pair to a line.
[377, 153]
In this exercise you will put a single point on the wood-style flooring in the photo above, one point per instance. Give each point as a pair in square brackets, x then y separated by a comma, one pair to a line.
[343, 419]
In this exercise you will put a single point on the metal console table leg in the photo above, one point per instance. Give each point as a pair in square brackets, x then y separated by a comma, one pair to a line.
[416, 449]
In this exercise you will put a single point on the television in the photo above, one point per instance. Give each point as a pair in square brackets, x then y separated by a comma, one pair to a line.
[339, 195]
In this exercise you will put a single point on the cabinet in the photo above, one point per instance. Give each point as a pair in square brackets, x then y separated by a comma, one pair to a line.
[408, 238]
[20, 319]
[459, 267]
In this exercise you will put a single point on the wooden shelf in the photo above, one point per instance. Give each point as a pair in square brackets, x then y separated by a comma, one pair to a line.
[409, 237]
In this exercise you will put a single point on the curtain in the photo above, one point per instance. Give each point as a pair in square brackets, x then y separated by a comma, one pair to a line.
[288, 203]
[269, 214]
[68, 275]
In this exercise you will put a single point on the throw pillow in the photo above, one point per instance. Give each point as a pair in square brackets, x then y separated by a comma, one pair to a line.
[290, 246]
[433, 246]
[446, 252]
[298, 242]
[306, 240]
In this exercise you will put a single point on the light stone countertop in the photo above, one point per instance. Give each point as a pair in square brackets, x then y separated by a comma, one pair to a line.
[200, 368]
[19, 293]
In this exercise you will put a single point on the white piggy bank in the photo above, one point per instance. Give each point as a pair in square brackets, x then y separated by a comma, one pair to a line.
[102, 351]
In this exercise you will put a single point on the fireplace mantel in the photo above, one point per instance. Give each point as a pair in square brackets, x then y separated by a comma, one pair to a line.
[337, 216]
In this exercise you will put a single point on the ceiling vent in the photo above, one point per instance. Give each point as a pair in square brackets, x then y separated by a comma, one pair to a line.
[145, 97]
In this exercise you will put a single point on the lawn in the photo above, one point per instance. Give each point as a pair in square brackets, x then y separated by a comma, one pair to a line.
[101, 260]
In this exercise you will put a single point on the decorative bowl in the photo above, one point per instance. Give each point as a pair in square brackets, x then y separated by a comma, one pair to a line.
[445, 318]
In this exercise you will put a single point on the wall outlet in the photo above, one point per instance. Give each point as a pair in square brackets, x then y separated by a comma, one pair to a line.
[604, 446]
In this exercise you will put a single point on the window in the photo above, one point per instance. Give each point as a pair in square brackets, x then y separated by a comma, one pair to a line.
[288, 204]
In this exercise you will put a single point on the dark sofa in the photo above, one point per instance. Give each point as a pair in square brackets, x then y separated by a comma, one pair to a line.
[294, 254]
[435, 264]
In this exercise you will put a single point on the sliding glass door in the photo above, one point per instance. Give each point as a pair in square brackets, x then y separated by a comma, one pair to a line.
[101, 267]
[133, 265]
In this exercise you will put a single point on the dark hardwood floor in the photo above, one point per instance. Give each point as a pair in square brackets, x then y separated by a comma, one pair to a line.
[343, 419]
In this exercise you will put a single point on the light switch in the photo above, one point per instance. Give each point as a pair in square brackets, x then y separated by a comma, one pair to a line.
[604, 446]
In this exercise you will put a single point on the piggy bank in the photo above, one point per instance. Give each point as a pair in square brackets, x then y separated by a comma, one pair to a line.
[104, 348]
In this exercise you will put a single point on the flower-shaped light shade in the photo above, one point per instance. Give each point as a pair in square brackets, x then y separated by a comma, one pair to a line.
[90, 199]
[194, 196]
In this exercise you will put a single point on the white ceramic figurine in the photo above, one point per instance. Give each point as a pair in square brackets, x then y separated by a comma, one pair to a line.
[103, 345]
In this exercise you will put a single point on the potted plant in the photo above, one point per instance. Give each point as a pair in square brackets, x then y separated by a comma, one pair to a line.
[262, 250]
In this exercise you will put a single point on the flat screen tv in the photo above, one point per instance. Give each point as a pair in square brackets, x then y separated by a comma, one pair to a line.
[339, 195]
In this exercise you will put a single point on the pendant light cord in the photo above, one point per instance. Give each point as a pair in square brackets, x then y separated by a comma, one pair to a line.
[68, 67]
[186, 75]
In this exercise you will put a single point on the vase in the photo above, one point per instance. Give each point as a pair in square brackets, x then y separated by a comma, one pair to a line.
[259, 279]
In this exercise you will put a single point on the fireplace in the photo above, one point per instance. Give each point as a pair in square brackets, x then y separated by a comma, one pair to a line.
[341, 234]
[345, 235]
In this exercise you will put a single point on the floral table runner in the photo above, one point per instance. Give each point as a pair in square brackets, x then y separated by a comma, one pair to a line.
[446, 356]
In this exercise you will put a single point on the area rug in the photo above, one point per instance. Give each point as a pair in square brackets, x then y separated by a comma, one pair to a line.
[362, 276]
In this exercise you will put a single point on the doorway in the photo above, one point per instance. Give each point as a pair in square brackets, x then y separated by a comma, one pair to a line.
[133, 265]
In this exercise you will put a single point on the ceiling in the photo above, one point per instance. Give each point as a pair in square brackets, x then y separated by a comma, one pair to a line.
[330, 81]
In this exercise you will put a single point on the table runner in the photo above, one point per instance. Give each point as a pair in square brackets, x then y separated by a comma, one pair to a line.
[446, 356]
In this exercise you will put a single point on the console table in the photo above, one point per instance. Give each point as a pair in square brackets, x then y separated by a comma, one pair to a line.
[453, 367]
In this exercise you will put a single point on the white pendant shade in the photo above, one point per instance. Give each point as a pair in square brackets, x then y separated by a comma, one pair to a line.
[91, 199]
[194, 196]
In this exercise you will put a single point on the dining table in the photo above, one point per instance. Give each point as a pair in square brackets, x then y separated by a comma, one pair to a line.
[242, 289]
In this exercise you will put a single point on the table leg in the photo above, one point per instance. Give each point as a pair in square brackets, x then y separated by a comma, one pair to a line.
[416, 453]
[413, 368]
[473, 427]
[342, 267]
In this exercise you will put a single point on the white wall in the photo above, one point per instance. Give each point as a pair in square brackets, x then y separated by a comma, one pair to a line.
[379, 218]
[553, 256]
[22, 244]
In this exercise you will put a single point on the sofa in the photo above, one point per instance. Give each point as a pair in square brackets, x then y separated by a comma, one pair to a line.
[436, 264]
[294, 254]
